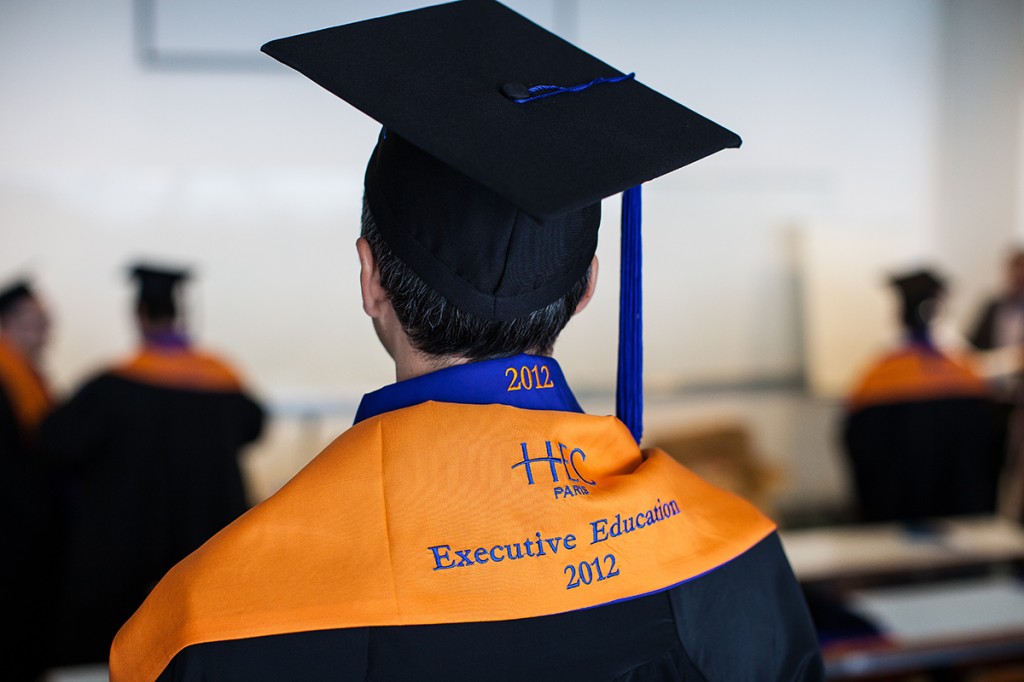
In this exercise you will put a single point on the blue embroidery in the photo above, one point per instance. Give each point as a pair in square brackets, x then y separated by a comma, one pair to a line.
[512, 551]
[477, 383]
[550, 459]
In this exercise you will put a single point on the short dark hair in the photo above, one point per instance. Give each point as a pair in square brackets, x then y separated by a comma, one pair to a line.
[437, 328]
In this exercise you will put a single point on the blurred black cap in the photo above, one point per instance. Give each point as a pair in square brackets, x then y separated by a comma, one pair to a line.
[918, 285]
[917, 290]
[157, 287]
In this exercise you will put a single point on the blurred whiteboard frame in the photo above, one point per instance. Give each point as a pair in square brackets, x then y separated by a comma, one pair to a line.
[197, 35]
[848, 310]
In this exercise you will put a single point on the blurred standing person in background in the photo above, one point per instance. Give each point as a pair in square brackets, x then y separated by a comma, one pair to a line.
[147, 458]
[998, 336]
[917, 425]
[24, 400]
[1001, 321]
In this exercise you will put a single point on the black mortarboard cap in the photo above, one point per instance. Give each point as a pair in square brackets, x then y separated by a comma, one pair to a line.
[470, 188]
[500, 140]
[13, 293]
[918, 285]
[915, 288]
[157, 287]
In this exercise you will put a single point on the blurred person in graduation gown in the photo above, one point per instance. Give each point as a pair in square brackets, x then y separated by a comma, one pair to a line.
[474, 523]
[24, 394]
[917, 424]
[25, 399]
[147, 454]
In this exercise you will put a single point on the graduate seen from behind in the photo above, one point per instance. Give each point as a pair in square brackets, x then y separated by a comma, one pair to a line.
[147, 457]
[918, 423]
[474, 523]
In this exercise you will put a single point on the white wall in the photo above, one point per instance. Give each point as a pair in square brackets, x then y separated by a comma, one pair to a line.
[252, 174]
[254, 177]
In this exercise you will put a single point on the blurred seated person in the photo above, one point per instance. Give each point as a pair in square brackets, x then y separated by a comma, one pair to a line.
[147, 454]
[24, 400]
[917, 430]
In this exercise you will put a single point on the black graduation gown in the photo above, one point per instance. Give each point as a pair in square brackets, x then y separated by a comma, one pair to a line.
[26, 573]
[147, 473]
[323, 597]
[918, 437]
[745, 620]
[922, 459]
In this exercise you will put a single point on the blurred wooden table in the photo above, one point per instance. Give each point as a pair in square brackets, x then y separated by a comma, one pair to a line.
[946, 595]
[860, 552]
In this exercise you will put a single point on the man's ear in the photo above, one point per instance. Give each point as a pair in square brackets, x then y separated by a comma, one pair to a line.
[375, 299]
[591, 287]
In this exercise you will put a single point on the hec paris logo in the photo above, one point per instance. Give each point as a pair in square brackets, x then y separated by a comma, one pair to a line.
[561, 469]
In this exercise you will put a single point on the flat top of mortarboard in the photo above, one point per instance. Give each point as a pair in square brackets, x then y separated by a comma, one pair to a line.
[145, 272]
[14, 292]
[455, 80]
[156, 281]
[918, 284]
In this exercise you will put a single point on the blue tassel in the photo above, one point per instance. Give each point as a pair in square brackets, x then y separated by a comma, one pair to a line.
[542, 91]
[629, 394]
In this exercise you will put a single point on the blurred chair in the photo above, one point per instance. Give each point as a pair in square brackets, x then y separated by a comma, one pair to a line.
[723, 453]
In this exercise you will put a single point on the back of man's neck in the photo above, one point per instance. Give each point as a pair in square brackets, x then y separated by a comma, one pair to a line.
[414, 363]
